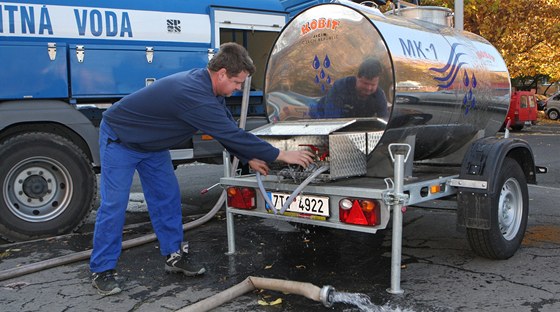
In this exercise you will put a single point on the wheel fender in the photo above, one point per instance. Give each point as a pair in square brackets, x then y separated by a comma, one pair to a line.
[482, 162]
[41, 111]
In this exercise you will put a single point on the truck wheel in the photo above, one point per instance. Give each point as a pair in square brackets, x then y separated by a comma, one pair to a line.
[552, 114]
[508, 217]
[517, 127]
[48, 186]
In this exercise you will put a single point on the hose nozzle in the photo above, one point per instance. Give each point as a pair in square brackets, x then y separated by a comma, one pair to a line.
[325, 295]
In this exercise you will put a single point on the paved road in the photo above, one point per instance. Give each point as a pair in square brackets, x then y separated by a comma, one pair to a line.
[440, 273]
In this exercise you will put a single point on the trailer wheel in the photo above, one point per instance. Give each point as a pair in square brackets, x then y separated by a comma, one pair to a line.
[508, 217]
[48, 186]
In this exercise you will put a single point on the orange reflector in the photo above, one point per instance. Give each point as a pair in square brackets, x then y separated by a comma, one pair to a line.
[231, 191]
[207, 137]
[435, 189]
[367, 205]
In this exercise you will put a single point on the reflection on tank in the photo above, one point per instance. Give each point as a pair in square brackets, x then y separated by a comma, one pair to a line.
[354, 96]
[438, 83]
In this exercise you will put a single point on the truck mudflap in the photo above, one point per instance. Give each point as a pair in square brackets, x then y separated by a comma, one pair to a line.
[482, 163]
[495, 216]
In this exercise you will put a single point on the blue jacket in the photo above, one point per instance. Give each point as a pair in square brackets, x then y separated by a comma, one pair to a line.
[171, 110]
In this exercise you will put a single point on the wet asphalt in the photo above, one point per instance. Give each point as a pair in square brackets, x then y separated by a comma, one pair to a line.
[439, 271]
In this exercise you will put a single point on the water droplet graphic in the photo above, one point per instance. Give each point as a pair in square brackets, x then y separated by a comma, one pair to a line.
[316, 62]
[322, 88]
[323, 75]
[327, 62]
[470, 94]
[473, 102]
[465, 100]
[466, 79]
[317, 80]
[329, 79]
[473, 81]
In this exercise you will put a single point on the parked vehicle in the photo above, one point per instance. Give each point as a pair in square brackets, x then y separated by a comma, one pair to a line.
[552, 109]
[64, 62]
[522, 110]
[541, 102]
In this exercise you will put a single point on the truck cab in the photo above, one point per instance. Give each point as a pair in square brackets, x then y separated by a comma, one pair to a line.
[65, 62]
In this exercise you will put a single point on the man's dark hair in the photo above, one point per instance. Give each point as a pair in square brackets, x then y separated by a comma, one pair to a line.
[370, 68]
[234, 58]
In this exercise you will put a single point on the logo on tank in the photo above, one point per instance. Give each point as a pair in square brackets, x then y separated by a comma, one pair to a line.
[452, 70]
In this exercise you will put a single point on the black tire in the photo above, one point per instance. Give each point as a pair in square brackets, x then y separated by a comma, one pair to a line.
[510, 208]
[552, 114]
[48, 186]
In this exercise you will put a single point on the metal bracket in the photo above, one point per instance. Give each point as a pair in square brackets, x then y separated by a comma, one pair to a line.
[80, 53]
[210, 54]
[482, 185]
[391, 198]
[51, 49]
[150, 54]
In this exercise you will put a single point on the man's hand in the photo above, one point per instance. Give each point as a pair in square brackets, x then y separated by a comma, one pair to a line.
[259, 165]
[302, 158]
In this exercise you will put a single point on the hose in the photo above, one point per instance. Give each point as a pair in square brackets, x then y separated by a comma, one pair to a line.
[83, 255]
[308, 290]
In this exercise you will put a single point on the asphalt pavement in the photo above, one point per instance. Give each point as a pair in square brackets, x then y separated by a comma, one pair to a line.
[439, 271]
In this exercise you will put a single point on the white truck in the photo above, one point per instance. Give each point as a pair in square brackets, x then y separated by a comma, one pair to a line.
[448, 93]
[64, 62]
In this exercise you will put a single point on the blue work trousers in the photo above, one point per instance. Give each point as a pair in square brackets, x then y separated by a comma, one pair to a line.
[161, 191]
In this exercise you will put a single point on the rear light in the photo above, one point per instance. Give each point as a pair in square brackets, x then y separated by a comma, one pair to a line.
[359, 211]
[241, 197]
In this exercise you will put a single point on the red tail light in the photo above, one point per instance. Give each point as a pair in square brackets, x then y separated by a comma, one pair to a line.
[359, 211]
[241, 197]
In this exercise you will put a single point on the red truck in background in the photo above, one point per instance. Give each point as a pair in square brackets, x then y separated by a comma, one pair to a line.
[522, 110]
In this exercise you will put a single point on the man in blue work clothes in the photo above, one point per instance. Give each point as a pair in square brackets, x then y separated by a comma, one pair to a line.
[137, 132]
[354, 96]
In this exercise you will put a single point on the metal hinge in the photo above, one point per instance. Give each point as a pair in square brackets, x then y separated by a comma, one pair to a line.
[150, 54]
[51, 49]
[80, 51]
[210, 54]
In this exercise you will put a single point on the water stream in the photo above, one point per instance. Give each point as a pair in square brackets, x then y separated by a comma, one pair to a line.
[362, 302]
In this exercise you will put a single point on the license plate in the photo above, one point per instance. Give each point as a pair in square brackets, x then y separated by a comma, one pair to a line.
[306, 204]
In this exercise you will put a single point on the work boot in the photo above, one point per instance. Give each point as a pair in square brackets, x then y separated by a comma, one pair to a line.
[106, 283]
[179, 262]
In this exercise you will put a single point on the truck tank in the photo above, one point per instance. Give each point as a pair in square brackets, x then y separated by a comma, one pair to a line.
[444, 87]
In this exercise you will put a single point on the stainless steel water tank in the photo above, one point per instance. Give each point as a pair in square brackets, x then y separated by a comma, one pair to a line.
[444, 87]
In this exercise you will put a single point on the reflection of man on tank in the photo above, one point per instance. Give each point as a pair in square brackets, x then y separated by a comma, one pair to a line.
[354, 96]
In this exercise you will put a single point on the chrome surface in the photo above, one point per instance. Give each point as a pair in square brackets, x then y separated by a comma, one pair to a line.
[444, 87]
